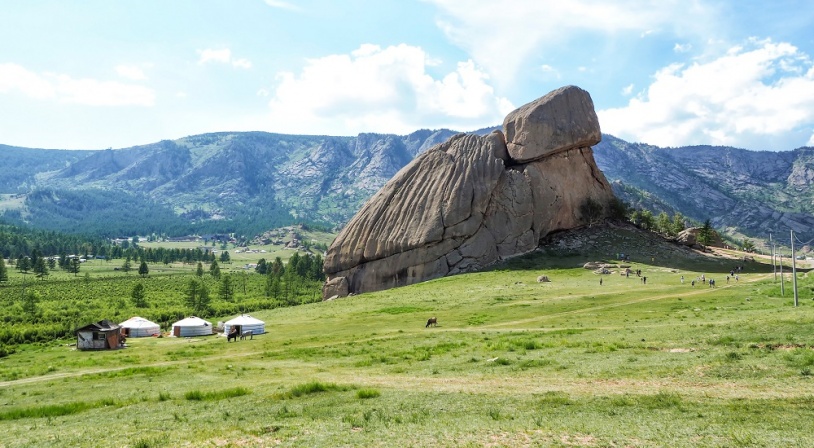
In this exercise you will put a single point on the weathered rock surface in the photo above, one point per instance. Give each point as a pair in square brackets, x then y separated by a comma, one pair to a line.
[467, 203]
[561, 120]
[689, 237]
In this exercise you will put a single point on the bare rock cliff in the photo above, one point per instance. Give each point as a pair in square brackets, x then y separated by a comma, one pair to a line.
[471, 201]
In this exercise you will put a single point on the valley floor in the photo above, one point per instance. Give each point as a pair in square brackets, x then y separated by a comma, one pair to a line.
[512, 362]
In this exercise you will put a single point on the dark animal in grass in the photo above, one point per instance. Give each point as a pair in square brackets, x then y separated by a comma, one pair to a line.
[247, 333]
[232, 335]
[431, 321]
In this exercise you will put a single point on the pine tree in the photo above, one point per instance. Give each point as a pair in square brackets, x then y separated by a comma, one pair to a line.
[138, 296]
[663, 224]
[29, 304]
[73, 267]
[3, 270]
[262, 266]
[646, 220]
[40, 269]
[23, 264]
[272, 286]
[191, 297]
[197, 297]
[199, 270]
[143, 270]
[226, 291]
[316, 268]
[705, 234]
[127, 266]
[214, 270]
[678, 223]
[277, 267]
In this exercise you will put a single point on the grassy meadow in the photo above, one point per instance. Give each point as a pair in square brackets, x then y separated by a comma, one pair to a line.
[512, 362]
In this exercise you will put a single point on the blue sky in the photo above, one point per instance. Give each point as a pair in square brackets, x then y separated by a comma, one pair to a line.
[95, 74]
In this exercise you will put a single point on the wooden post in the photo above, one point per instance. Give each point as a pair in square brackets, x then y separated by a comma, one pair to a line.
[794, 269]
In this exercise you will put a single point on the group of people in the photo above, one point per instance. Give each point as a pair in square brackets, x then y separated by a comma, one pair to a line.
[711, 282]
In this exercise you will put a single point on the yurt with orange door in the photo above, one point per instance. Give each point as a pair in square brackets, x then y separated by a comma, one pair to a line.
[191, 326]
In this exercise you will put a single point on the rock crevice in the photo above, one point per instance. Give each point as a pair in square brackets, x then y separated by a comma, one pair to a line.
[474, 200]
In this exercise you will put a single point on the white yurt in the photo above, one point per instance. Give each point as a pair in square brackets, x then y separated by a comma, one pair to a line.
[139, 327]
[191, 326]
[244, 322]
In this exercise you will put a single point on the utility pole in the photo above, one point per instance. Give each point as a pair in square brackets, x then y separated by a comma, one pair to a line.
[782, 283]
[774, 266]
[794, 269]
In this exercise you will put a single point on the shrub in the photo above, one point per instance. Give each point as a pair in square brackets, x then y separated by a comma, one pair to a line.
[367, 393]
[312, 387]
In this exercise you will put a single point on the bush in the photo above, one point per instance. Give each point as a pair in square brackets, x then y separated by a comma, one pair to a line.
[367, 393]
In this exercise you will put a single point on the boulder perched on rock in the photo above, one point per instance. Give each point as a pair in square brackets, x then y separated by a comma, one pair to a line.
[469, 202]
[562, 120]
[689, 237]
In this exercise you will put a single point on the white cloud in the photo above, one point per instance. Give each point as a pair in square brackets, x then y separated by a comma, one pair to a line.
[222, 56]
[14, 77]
[376, 89]
[536, 28]
[132, 72]
[682, 48]
[550, 71]
[65, 89]
[91, 92]
[810, 141]
[242, 63]
[263, 92]
[627, 90]
[755, 96]
[282, 5]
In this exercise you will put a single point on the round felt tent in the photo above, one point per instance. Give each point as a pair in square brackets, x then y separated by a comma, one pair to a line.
[191, 326]
[244, 322]
[137, 327]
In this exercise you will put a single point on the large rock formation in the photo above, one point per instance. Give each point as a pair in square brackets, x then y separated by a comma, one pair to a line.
[471, 201]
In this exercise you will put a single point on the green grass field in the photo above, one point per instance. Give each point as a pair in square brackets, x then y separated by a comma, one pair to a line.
[512, 362]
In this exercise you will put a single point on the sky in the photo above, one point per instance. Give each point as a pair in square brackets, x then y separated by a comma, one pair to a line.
[96, 74]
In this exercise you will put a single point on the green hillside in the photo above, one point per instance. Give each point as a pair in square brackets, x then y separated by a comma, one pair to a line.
[512, 362]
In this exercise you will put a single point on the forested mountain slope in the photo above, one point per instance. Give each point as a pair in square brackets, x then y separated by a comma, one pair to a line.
[751, 192]
[236, 182]
[249, 181]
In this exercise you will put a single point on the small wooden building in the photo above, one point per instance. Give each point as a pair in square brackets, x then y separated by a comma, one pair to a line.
[102, 335]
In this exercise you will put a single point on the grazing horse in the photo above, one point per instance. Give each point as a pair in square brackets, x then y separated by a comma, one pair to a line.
[232, 335]
[245, 334]
[431, 321]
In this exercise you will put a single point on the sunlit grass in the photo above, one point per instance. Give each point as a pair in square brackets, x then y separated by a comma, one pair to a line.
[512, 362]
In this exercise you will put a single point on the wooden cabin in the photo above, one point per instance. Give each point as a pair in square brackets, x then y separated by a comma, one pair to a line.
[102, 335]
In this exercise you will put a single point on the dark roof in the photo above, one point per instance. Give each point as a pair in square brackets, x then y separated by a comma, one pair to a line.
[102, 325]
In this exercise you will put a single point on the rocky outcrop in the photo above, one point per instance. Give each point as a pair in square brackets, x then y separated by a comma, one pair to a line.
[473, 200]
[562, 120]
[689, 237]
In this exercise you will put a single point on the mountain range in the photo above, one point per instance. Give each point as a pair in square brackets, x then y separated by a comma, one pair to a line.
[246, 182]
